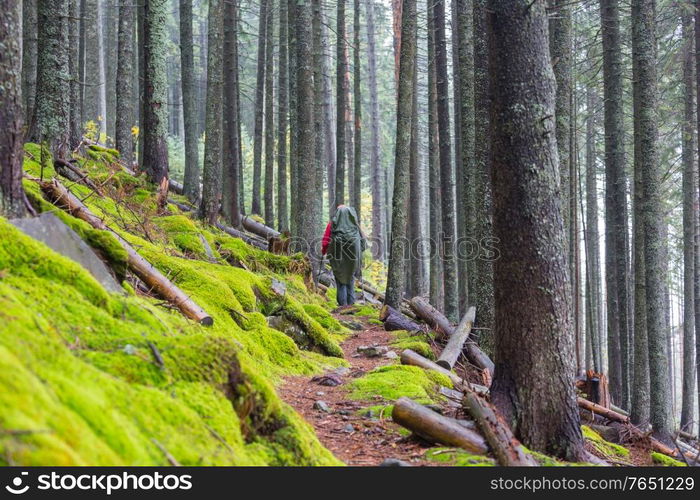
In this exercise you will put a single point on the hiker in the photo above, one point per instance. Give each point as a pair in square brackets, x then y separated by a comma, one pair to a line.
[344, 243]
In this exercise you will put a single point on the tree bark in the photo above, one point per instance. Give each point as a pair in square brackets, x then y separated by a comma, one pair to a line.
[378, 239]
[689, 222]
[533, 301]
[434, 427]
[615, 197]
[341, 91]
[268, 195]
[76, 129]
[357, 95]
[263, 20]
[436, 281]
[447, 177]
[11, 113]
[189, 102]
[646, 161]
[282, 121]
[212, 176]
[306, 218]
[483, 230]
[450, 354]
[51, 110]
[125, 119]
[231, 196]
[30, 36]
[155, 117]
[465, 167]
[397, 261]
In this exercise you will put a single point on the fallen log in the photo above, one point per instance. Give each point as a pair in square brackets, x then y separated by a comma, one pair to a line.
[507, 450]
[438, 322]
[450, 354]
[379, 296]
[250, 239]
[175, 187]
[434, 318]
[412, 358]
[74, 174]
[687, 436]
[393, 320]
[435, 428]
[602, 411]
[162, 286]
[258, 228]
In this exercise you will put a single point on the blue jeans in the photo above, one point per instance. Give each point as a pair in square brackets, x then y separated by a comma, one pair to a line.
[346, 293]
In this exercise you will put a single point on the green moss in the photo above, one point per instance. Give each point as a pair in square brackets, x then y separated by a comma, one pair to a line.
[324, 318]
[93, 381]
[367, 311]
[665, 460]
[603, 446]
[458, 457]
[394, 381]
[417, 343]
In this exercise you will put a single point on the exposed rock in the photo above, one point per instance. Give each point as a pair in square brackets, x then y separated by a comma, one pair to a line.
[329, 380]
[372, 351]
[349, 428]
[394, 462]
[51, 231]
[322, 406]
[352, 324]
[391, 355]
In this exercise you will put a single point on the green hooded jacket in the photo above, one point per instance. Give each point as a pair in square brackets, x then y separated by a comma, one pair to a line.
[346, 245]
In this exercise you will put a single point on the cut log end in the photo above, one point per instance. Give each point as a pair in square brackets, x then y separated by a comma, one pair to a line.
[206, 321]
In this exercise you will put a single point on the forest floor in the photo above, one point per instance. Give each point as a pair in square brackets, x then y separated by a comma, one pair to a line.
[354, 438]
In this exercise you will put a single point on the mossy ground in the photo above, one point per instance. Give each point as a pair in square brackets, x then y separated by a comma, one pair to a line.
[79, 381]
[394, 381]
[417, 343]
[666, 461]
[458, 457]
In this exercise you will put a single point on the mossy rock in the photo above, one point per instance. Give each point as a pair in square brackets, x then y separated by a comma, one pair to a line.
[604, 447]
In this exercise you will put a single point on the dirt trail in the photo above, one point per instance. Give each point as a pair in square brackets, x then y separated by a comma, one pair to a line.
[370, 440]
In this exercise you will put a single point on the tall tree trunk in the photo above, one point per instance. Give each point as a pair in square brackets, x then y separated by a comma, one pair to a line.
[11, 112]
[155, 112]
[689, 218]
[75, 135]
[94, 78]
[51, 108]
[282, 121]
[341, 92]
[436, 280]
[125, 119]
[416, 230]
[349, 134]
[646, 160]
[293, 116]
[268, 196]
[259, 107]
[464, 108]
[189, 102]
[110, 29]
[306, 218]
[447, 177]
[615, 202]
[593, 293]
[397, 260]
[357, 95]
[231, 198]
[483, 267]
[328, 126]
[533, 301]
[211, 185]
[374, 164]
[319, 143]
[29, 56]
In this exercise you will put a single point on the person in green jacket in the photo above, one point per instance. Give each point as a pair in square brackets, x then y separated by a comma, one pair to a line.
[344, 243]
